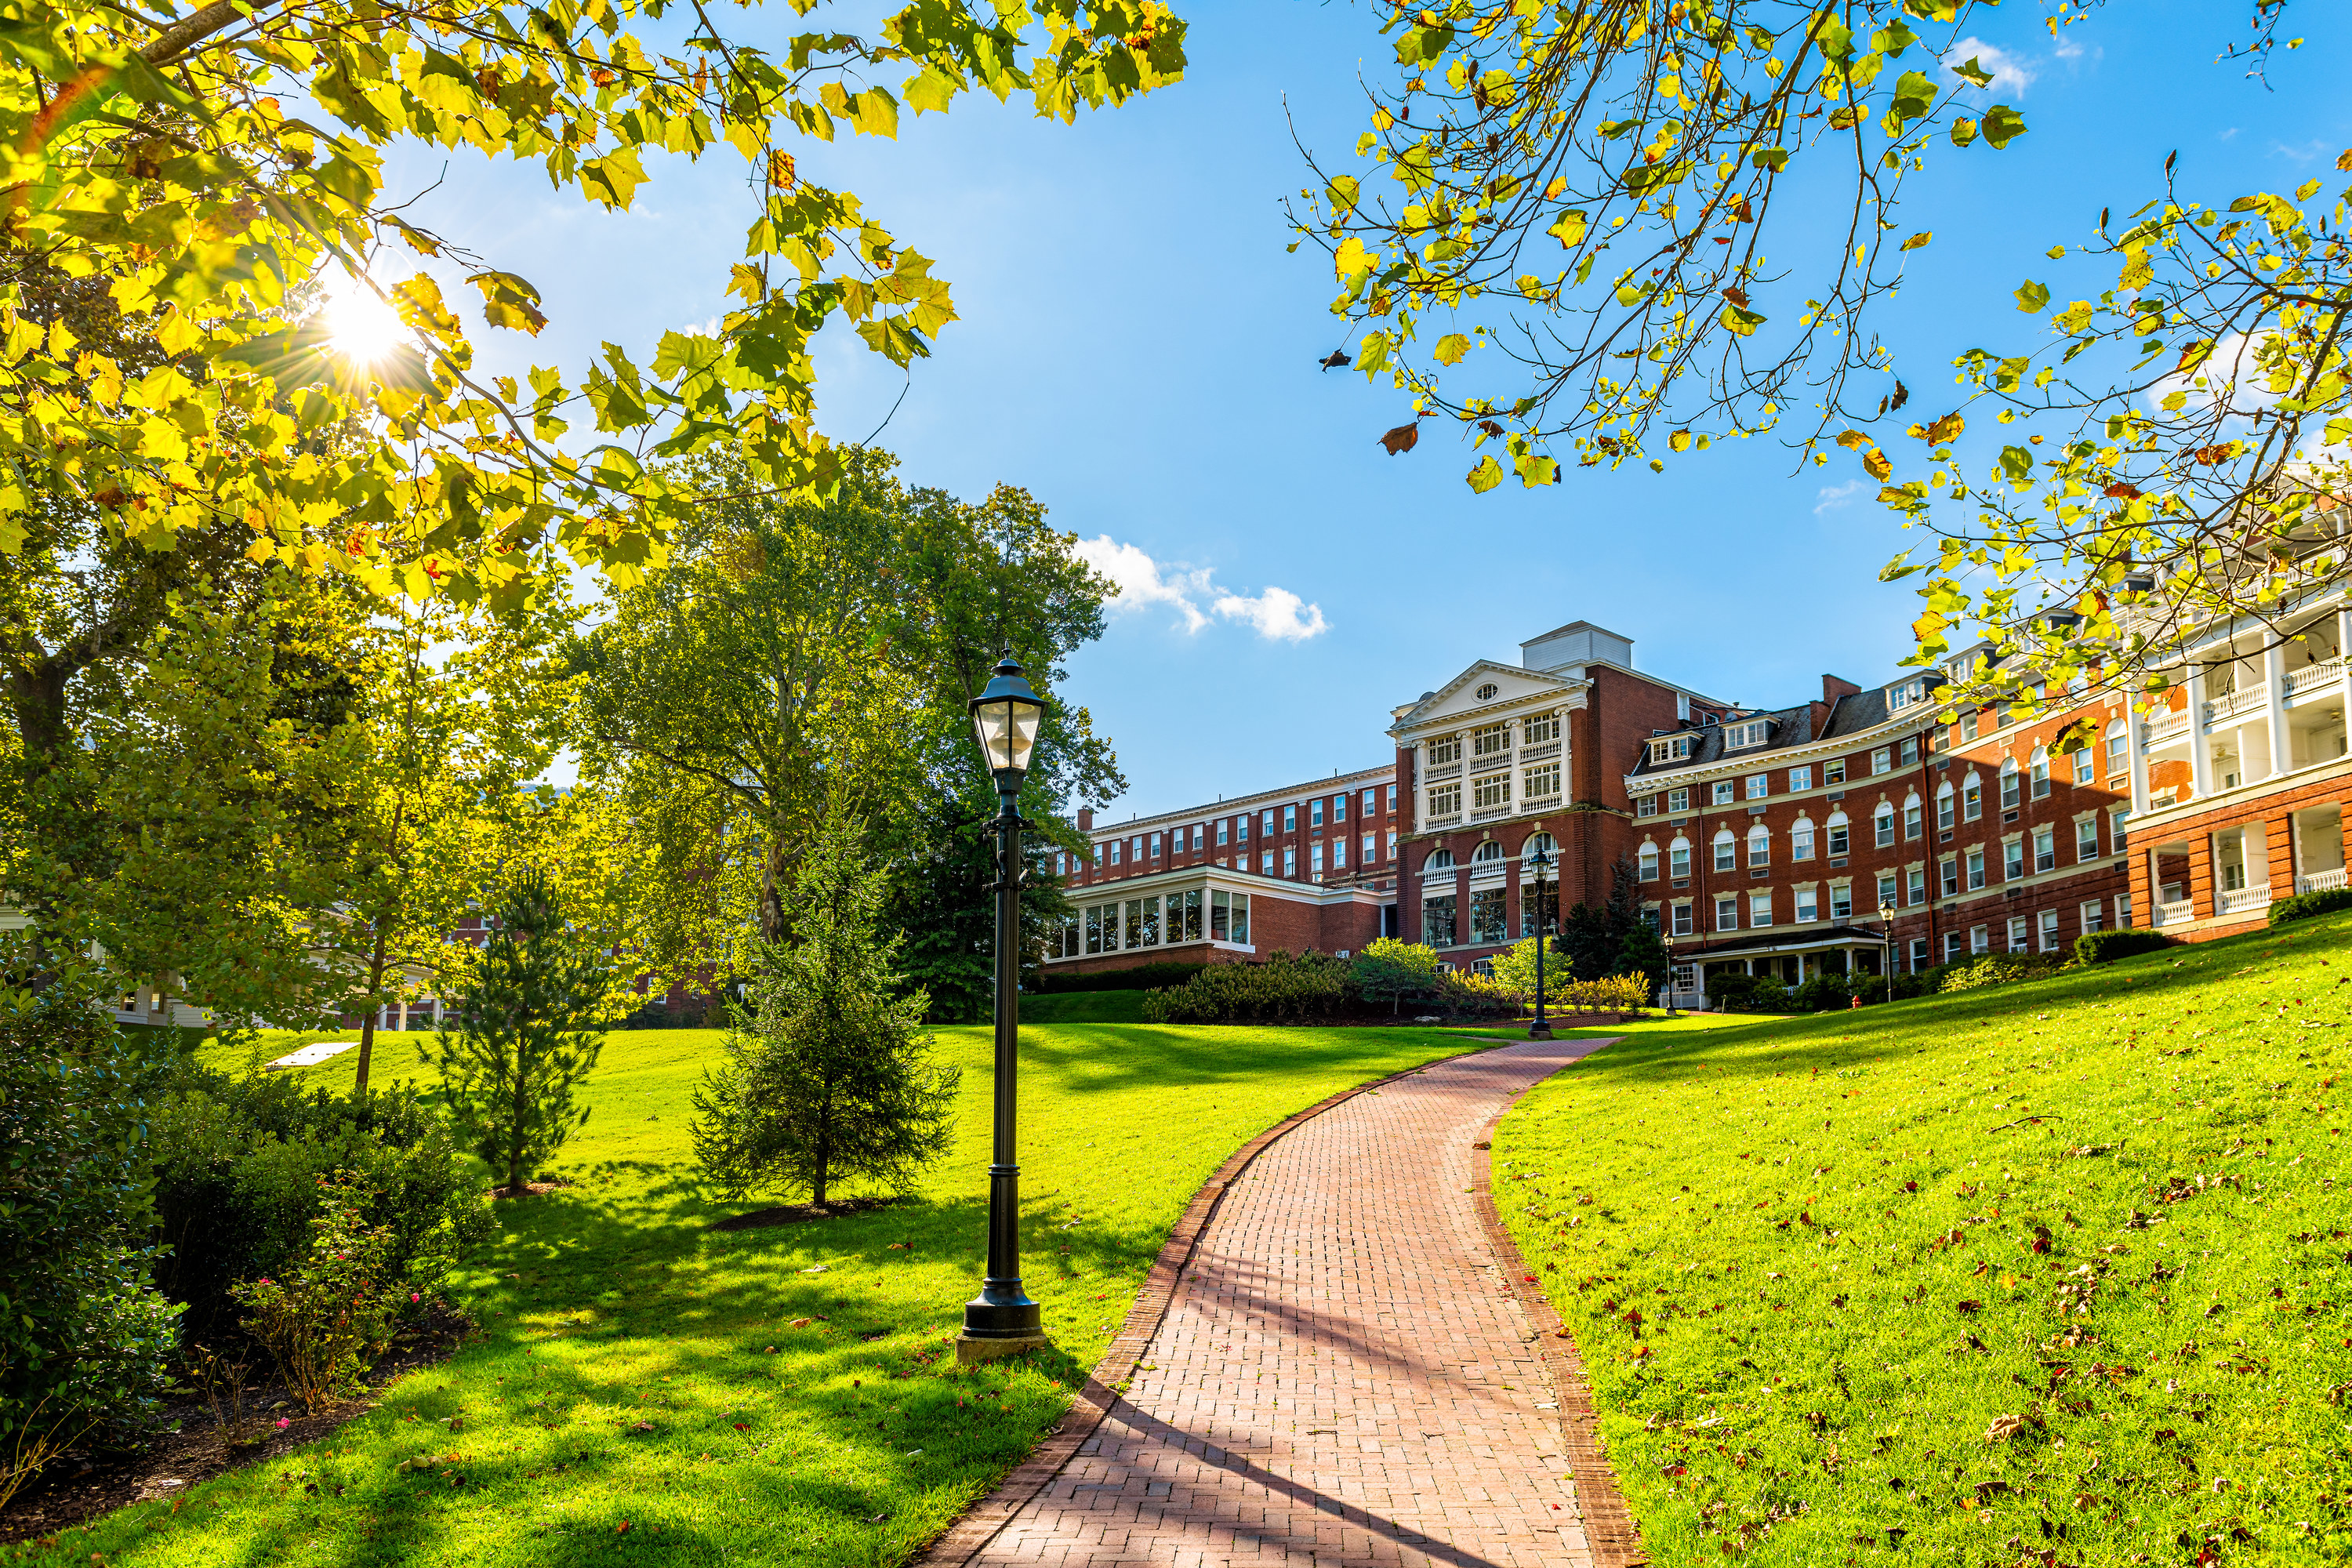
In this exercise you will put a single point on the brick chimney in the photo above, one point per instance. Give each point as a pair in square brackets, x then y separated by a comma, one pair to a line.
[1833, 687]
[1085, 819]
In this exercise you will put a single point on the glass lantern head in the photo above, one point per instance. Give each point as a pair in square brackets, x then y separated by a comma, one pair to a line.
[1004, 717]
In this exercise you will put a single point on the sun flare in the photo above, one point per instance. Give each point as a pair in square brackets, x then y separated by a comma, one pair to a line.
[361, 325]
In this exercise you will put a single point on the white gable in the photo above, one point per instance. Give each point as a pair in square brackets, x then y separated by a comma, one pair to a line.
[1487, 689]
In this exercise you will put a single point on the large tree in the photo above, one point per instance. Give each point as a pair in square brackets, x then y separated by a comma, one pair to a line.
[1560, 245]
[799, 658]
[214, 163]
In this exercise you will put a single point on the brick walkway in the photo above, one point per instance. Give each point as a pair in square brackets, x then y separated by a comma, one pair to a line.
[1344, 1376]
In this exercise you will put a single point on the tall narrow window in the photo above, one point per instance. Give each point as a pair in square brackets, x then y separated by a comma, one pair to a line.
[1944, 798]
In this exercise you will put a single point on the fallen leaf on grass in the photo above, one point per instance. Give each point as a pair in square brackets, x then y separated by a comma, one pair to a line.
[2004, 1427]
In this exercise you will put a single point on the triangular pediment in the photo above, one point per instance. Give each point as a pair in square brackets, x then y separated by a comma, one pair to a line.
[1485, 687]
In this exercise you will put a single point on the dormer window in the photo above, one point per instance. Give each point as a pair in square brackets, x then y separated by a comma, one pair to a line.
[1754, 732]
[1904, 693]
[1670, 749]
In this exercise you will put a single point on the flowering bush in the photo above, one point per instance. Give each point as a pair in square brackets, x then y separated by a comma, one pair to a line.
[332, 1315]
[1282, 990]
[1610, 993]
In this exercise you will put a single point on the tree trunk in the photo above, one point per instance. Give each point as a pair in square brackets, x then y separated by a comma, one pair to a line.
[771, 891]
[367, 1020]
[514, 1133]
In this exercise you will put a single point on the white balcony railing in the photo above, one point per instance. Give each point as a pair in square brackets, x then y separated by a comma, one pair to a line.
[2164, 726]
[2326, 673]
[2320, 881]
[2236, 703]
[2175, 914]
[2244, 899]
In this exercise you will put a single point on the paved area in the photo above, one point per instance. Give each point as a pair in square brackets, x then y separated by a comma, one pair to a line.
[1343, 1376]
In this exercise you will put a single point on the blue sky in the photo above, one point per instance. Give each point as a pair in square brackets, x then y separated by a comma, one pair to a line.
[1137, 349]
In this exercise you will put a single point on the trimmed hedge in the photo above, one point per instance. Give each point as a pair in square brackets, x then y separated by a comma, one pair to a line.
[2106, 946]
[2303, 906]
[1142, 978]
[1282, 990]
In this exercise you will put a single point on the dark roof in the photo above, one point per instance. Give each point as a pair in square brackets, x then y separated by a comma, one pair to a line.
[1791, 726]
[1692, 950]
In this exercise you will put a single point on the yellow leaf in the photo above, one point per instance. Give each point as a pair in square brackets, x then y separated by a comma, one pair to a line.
[1854, 439]
[1876, 464]
[1917, 241]
[1352, 260]
[1569, 228]
[1486, 474]
[1942, 431]
[1450, 348]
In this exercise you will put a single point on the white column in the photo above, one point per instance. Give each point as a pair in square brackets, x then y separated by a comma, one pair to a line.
[2200, 757]
[404, 1014]
[2274, 709]
[436, 1012]
[2135, 737]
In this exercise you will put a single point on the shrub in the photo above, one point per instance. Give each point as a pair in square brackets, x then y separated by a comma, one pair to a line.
[237, 1166]
[1823, 993]
[2000, 969]
[1395, 969]
[85, 1338]
[1142, 977]
[2303, 906]
[1611, 993]
[331, 1315]
[1730, 992]
[1768, 997]
[1282, 990]
[1468, 993]
[2105, 946]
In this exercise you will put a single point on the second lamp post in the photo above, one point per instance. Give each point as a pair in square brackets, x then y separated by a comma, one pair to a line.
[1001, 1320]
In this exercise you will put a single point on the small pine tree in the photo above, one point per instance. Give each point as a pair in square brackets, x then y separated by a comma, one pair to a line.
[1643, 953]
[829, 1074]
[1394, 969]
[522, 1043]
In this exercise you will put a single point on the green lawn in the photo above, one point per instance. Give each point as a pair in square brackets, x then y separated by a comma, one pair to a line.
[1845, 1300]
[640, 1391]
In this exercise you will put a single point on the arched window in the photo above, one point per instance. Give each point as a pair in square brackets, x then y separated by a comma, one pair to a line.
[1542, 841]
[2041, 772]
[1881, 824]
[1839, 843]
[1439, 861]
[1647, 860]
[1913, 815]
[1759, 846]
[2009, 782]
[2119, 748]
[1678, 858]
[1727, 851]
[1486, 853]
[1800, 839]
[1971, 797]
[1944, 807]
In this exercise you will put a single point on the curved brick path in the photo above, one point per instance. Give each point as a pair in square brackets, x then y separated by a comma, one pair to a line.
[1343, 1375]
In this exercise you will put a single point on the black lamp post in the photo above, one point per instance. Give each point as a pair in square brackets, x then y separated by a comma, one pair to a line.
[1886, 948]
[1002, 1319]
[1541, 1028]
[1666, 935]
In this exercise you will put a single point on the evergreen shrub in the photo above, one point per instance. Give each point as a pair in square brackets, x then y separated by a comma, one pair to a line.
[2303, 906]
[2105, 946]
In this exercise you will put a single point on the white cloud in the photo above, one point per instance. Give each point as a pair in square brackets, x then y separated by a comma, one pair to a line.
[2011, 74]
[1832, 496]
[1277, 614]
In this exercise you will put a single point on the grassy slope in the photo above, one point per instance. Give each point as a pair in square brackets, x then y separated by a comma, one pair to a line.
[1828, 1228]
[612, 1304]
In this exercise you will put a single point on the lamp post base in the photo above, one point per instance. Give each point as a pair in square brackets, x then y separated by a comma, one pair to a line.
[970, 1351]
[1540, 1030]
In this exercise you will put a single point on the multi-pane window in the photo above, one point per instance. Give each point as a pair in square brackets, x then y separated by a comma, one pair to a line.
[1437, 921]
[1487, 926]
[1755, 733]
[1339, 808]
[1371, 800]
[2083, 770]
[1114, 848]
[1185, 916]
[1916, 892]
[2045, 848]
[1760, 909]
[1671, 749]
[1882, 761]
[1266, 863]
[2087, 839]
[1944, 808]
[1265, 824]
[1445, 799]
[1677, 801]
[1443, 750]
[1241, 830]
[1228, 917]
[1758, 786]
[1340, 853]
[2123, 911]
[1542, 728]
[2040, 774]
[1971, 798]
[1490, 741]
[1727, 852]
[1947, 875]
[1645, 806]
[2119, 750]
[1392, 839]
[1391, 797]
[1648, 861]
[1839, 845]
[1725, 791]
[1314, 811]
[1678, 860]
[1808, 905]
[1833, 772]
[1886, 889]
[1800, 779]
[2094, 915]
[1952, 941]
[1976, 869]
[1369, 845]
[1801, 841]
[1882, 825]
[2020, 934]
[1543, 782]
[1968, 730]
[1919, 953]
[2012, 859]
[1290, 819]
[1315, 861]
[1840, 900]
[1155, 847]
[1981, 939]
[1489, 791]
[1912, 818]
[2115, 835]
[1726, 913]
[1910, 751]
[1290, 862]
[1759, 846]
[1682, 918]
[2009, 785]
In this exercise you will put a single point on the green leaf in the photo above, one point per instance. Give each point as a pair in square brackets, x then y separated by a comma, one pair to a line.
[2002, 126]
[1973, 71]
[613, 179]
[1739, 319]
[1450, 348]
[1915, 95]
[1486, 474]
[1901, 566]
[1569, 228]
[1341, 193]
[2032, 296]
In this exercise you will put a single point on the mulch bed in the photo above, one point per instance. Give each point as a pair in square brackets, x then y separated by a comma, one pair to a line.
[795, 1214]
[79, 1487]
[530, 1189]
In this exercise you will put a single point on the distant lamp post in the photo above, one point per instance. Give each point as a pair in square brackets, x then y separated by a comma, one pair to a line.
[1666, 936]
[1886, 948]
[1001, 1320]
[1541, 863]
